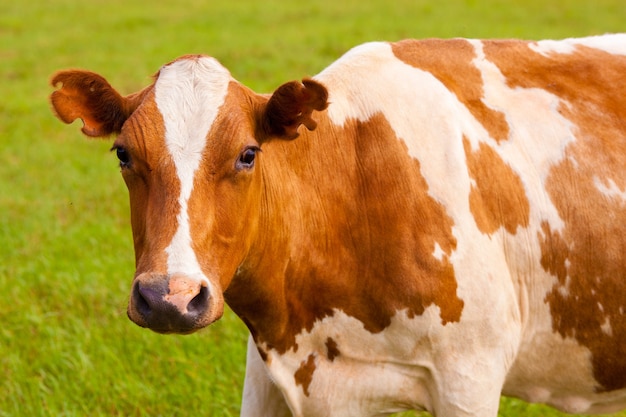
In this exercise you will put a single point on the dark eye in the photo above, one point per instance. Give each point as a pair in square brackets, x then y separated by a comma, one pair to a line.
[122, 155]
[246, 158]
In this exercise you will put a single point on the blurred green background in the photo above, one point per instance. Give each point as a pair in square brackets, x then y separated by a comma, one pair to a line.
[66, 258]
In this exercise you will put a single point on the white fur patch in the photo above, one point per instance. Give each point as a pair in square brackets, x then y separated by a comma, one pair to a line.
[367, 366]
[189, 93]
[390, 371]
[609, 189]
[538, 137]
[438, 253]
[613, 44]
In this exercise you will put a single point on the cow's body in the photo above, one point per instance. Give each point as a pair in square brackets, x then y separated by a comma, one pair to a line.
[453, 229]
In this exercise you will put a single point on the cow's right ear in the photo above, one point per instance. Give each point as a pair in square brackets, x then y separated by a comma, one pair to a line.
[88, 96]
[291, 106]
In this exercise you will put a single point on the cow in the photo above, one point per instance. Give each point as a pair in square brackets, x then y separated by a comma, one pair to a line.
[425, 224]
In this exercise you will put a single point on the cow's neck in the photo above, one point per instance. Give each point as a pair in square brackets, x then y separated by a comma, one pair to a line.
[300, 205]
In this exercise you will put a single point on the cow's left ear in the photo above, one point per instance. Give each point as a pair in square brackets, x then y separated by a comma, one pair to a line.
[292, 105]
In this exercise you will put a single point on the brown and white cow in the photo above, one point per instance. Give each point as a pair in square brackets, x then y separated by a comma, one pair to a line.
[448, 225]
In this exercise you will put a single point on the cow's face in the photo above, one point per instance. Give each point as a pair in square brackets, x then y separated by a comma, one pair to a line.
[188, 156]
[188, 148]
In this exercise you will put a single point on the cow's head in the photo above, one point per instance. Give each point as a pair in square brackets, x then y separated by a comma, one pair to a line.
[188, 147]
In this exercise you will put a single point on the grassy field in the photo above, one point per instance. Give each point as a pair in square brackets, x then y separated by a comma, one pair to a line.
[66, 259]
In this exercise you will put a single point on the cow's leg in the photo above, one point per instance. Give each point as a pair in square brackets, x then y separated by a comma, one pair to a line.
[261, 398]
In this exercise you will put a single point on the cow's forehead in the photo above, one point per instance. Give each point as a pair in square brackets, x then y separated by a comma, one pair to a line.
[189, 93]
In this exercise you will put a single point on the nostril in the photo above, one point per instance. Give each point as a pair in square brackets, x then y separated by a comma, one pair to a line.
[200, 303]
[145, 299]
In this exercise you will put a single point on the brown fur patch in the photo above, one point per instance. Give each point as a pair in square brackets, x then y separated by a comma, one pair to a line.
[588, 302]
[304, 374]
[498, 199]
[352, 228]
[331, 349]
[450, 61]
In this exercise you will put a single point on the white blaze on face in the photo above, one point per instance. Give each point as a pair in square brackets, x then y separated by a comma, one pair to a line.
[189, 93]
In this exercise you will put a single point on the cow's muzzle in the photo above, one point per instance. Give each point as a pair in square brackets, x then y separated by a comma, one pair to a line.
[173, 303]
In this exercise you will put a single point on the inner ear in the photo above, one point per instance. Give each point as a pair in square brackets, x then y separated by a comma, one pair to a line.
[292, 105]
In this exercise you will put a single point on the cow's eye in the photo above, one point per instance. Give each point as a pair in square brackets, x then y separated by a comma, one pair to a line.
[247, 157]
[122, 155]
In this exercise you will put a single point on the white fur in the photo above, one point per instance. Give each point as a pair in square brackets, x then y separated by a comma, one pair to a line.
[613, 44]
[261, 397]
[610, 190]
[189, 93]
[366, 368]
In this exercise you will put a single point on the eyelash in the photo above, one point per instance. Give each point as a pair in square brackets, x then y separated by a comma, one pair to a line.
[247, 157]
[122, 155]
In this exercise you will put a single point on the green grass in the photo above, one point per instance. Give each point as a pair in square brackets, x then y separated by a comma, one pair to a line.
[66, 258]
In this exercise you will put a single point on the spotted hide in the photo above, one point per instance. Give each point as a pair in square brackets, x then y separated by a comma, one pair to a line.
[423, 225]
